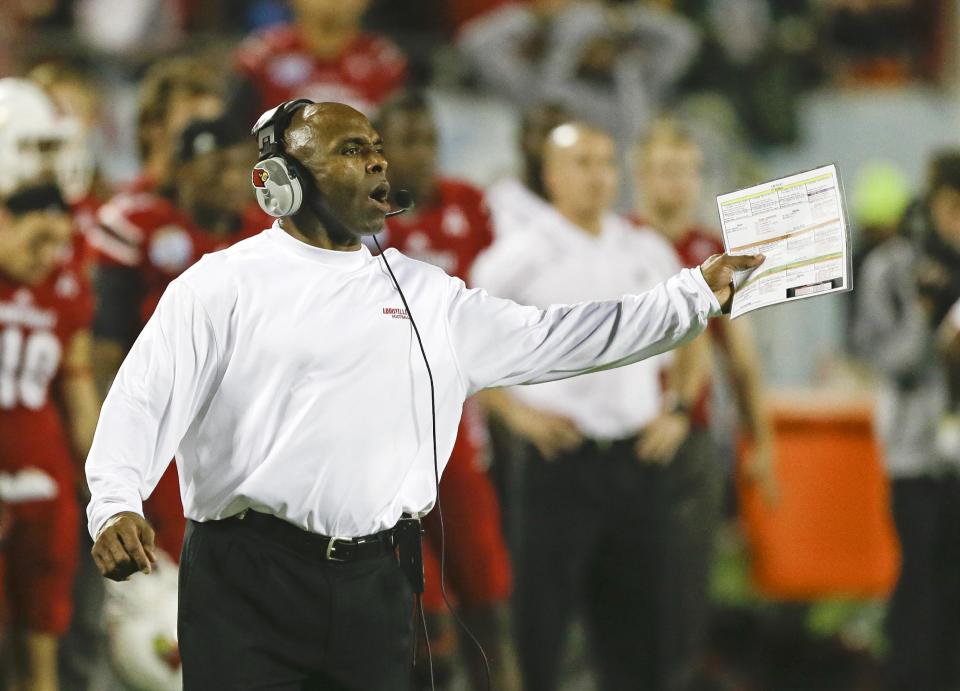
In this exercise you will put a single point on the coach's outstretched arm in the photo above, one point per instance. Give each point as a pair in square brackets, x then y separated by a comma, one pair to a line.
[164, 381]
[500, 343]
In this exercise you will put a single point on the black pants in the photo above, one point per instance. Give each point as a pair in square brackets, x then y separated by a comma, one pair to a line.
[255, 614]
[629, 542]
[923, 620]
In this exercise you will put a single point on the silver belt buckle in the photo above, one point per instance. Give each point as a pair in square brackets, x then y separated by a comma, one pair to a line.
[331, 544]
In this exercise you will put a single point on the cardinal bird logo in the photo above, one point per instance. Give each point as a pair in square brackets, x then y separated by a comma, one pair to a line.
[260, 177]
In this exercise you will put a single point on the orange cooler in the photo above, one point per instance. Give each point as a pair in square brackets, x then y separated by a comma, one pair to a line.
[831, 534]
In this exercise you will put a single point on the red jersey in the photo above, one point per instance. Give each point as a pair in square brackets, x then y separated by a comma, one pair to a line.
[696, 246]
[449, 233]
[84, 213]
[37, 324]
[145, 231]
[281, 66]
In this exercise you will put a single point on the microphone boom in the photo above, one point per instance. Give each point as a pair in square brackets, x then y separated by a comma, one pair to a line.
[405, 200]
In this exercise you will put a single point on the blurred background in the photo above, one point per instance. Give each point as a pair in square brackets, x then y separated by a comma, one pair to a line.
[830, 554]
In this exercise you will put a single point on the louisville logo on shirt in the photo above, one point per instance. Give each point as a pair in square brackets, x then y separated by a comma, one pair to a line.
[396, 312]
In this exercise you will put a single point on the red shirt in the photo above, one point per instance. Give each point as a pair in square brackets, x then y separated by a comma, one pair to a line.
[281, 66]
[147, 232]
[37, 324]
[84, 213]
[449, 233]
[697, 245]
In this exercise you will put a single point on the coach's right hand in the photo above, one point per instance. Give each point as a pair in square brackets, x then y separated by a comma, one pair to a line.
[718, 272]
[124, 546]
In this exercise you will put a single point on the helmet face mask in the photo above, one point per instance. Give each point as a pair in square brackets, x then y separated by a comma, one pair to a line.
[39, 145]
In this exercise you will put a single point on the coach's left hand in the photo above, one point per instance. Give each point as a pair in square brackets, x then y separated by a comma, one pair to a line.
[124, 546]
[718, 272]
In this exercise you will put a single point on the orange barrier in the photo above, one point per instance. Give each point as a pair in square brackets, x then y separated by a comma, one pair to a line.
[831, 533]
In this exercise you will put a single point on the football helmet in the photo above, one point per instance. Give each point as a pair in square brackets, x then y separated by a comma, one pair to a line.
[141, 622]
[38, 144]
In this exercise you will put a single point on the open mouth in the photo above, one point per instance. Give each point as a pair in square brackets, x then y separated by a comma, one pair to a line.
[379, 196]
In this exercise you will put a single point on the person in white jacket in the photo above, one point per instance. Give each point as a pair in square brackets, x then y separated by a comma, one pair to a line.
[287, 375]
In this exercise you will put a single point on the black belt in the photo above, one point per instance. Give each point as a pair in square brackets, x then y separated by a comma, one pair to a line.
[337, 549]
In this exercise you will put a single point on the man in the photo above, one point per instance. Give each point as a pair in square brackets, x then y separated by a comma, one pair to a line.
[286, 374]
[667, 166]
[73, 92]
[323, 55]
[48, 410]
[36, 148]
[908, 286]
[172, 93]
[603, 438]
[449, 227]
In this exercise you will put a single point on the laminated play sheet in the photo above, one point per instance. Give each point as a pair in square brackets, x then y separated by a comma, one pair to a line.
[799, 223]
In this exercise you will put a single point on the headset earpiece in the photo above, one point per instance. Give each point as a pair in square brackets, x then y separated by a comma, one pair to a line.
[278, 188]
[277, 179]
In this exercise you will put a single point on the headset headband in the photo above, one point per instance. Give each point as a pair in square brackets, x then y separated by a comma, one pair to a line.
[272, 124]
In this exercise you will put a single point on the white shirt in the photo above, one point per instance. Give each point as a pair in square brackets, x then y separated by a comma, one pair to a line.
[555, 262]
[287, 380]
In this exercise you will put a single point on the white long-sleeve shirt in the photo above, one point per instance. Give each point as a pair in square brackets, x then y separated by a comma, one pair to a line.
[287, 379]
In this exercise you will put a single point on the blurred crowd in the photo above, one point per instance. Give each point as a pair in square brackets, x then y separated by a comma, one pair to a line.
[581, 516]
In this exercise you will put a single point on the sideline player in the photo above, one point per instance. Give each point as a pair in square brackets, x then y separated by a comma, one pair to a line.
[668, 174]
[449, 227]
[172, 93]
[322, 55]
[48, 412]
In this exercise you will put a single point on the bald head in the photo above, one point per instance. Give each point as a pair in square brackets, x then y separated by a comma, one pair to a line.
[580, 172]
[568, 136]
[318, 122]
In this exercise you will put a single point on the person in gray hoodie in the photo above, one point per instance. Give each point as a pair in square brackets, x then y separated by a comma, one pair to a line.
[896, 330]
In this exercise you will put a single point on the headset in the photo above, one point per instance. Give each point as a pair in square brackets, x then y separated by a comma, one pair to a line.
[278, 179]
[282, 185]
